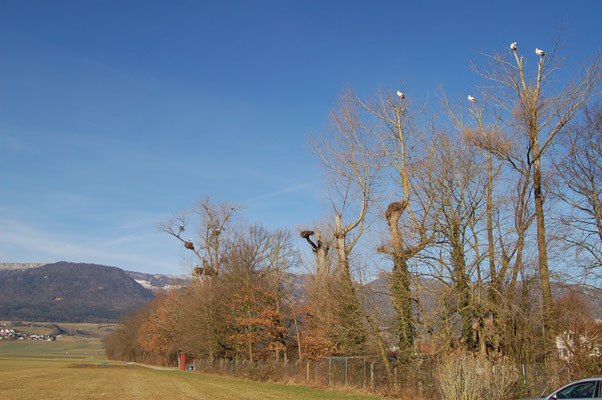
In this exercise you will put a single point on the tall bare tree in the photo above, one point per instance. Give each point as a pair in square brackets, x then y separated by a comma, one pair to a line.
[536, 107]
[394, 127]
[459, 203]
[347, 154]
[578, 185]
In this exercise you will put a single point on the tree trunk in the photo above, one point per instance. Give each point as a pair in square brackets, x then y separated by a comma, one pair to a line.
[461, 287]
[544, 273]
[400, 283]
[349, 308]
[382, 346]
[298, 335]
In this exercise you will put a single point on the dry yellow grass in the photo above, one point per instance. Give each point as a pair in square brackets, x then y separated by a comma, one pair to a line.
[50, 379]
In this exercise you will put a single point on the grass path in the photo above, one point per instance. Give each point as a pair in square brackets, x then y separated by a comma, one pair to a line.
[64, 379]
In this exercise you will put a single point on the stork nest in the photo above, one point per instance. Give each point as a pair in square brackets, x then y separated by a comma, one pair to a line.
[306, 234]
[397, 207]
[207, 271]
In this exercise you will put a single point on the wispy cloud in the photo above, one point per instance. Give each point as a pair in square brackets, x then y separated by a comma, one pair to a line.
[21, 242]
[291, 189]
[69, 199]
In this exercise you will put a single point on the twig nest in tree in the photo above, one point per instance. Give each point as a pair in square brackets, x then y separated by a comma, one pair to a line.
[306, 234]
[397, 207]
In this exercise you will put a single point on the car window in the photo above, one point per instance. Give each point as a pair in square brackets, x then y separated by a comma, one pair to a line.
[584, 390]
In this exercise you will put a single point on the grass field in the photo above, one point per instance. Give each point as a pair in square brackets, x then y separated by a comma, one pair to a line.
[46, 328]
[71, 348]
[72, 369]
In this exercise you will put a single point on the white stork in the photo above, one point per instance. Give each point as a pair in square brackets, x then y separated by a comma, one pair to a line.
[513, 47]
[472, 99]
[540, 52]
[401, 95]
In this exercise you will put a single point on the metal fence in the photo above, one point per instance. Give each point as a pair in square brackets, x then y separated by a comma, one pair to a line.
[369, 373]
[361, 372]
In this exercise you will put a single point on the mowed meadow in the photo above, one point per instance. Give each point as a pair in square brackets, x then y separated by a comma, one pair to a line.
[76, 368]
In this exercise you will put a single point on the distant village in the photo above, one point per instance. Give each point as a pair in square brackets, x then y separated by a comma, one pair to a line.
[7, 333]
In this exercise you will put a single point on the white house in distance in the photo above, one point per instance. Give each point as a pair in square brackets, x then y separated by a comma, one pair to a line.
[588, 342]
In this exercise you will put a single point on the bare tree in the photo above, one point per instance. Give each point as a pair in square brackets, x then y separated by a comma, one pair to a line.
[347, 154]
[537, 108]
[505, 241]
[281, 257]
[578, 186]
[459, 204]
[209, 242]
[395, 130]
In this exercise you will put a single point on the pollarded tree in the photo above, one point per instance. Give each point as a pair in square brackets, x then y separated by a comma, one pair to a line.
[348, 154]
[401, 154]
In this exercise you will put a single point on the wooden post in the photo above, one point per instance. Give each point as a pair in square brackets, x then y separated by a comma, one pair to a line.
[308, 361]
[364, 372]
[524, 375]
[329, 368]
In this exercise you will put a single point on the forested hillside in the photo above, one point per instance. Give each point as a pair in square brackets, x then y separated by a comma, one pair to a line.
[69, 292]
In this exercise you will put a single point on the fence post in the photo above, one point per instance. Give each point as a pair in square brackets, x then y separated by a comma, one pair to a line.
[329, 368]
[346, 359]
[364, 372]
[307, 367]
[524, 375]
[372, 376]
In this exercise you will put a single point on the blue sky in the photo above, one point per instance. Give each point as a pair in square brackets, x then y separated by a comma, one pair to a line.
[115, 115]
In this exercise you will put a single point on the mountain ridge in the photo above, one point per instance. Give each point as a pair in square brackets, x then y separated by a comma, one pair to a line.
[69, 292]
[150, 281]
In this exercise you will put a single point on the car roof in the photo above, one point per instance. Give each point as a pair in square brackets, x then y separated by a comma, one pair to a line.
[593, 378]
